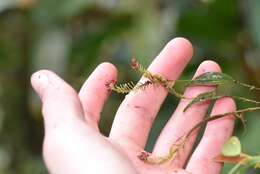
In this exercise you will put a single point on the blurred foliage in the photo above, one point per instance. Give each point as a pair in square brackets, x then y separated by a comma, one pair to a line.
[71, 37]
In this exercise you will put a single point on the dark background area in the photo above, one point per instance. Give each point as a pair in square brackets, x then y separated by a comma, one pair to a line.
[71, 37]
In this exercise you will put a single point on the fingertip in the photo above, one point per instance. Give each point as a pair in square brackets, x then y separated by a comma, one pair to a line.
[60, 101]
[227, 104]
[180, 41]
[104, 73]
[172, 59]
[109, 68]
[40, 81]
[181, 44]
[207, 66]
[211, 65]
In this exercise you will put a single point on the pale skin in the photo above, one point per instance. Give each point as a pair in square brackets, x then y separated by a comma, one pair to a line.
[74, 145]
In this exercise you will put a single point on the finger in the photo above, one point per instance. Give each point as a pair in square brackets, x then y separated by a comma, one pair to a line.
[181, 122]
[61, 105]
[94, 92]
[137, 112]
[216, 134]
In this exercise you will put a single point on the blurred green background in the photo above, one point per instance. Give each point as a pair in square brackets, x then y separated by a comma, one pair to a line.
[71, 37]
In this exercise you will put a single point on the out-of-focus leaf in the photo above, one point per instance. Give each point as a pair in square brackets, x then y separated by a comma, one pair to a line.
[154, 27]
[253, 16]
[252, 54]
[70, 8]
[57, 12]
[6, 4]
[52, 50]
[87, 48]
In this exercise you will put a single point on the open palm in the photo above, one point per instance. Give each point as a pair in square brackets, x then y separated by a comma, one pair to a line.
[74, 145]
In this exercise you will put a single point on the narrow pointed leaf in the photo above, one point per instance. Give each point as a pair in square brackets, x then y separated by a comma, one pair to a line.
[202, 97]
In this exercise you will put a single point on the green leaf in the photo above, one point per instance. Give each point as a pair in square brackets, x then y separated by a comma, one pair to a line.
[211, 78]
[232, 147]
[202, 97]
[6, 4]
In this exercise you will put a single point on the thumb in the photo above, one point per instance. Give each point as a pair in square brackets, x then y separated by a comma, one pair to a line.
[61, 105]
[71, 146]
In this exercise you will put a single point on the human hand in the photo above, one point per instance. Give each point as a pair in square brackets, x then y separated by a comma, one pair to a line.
[74, 145]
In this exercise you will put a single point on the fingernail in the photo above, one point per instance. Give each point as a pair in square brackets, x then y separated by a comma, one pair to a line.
[39, 82]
